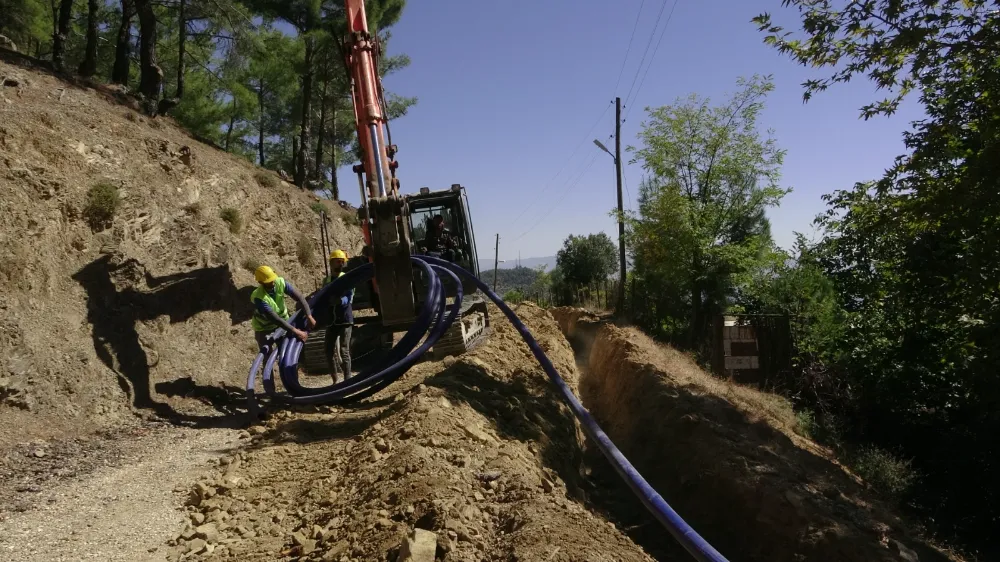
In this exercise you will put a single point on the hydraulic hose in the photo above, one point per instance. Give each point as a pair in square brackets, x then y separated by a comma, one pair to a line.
[433, 322]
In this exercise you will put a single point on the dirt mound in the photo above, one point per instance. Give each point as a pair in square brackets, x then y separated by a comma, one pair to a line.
[478, 451]
[151, 307]
[726, 458]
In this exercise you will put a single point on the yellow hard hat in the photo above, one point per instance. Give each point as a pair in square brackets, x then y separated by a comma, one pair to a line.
[338, 255]
[264, 274]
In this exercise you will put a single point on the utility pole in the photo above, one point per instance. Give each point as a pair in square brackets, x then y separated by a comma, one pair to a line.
[496, 262]
[621, 212]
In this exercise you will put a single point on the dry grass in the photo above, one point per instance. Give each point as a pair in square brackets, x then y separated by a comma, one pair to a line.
[683, 369]
[266, 179]
[251, 263]
[305, 250]
[232, 218]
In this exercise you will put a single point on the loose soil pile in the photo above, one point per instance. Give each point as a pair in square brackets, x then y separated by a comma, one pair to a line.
[477, 451]
[726, 458]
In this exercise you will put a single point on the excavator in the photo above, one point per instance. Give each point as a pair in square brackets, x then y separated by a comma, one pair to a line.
[395, 226]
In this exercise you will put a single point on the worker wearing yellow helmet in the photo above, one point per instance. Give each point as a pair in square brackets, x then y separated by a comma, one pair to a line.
[270, 312]
[338, 333]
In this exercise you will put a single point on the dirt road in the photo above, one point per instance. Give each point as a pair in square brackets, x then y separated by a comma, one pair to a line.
[124, 508]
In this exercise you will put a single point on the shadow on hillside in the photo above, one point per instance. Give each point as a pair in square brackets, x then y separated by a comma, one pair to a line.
[345, 425]
[121, 294]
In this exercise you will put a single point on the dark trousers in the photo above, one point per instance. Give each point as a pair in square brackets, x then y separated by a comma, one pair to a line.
[261, 339]
[338, 350]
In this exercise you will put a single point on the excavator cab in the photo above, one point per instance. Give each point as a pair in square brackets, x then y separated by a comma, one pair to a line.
[458, 245]
[442, 227]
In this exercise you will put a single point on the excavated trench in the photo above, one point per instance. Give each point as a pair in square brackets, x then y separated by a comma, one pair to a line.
[725, 457]
[477, 455]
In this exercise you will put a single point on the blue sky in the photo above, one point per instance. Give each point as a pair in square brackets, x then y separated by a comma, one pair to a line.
[508, 90]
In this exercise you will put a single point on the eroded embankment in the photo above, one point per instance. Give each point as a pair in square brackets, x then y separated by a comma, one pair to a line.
[478, 451]
[725, 458]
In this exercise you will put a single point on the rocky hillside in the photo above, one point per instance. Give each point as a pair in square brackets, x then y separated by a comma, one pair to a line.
[125, 255]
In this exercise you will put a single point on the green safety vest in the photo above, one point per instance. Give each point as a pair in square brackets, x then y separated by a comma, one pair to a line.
[260, 322]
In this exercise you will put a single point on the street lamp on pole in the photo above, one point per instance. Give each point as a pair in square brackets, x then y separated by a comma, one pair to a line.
[605, 149]
[617, 156]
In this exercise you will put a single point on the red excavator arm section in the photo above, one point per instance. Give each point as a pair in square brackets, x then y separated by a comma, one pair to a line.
[386, 216]
[362, 54]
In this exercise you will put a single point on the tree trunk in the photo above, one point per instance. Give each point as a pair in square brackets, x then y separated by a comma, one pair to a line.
[260, 123]
[303, 168]
[321, 130]
[123, 47]
[89, 65]
[229, 130]
[150, 75]
[182, 35]
[334, 184]
[59, 37]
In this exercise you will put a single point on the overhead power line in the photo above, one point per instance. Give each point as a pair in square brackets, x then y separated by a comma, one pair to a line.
[629, 48]
[652, 58]
[562, 194]
[563, 167]
[644, 53]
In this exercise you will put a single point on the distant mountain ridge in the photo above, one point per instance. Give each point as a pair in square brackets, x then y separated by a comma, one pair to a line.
[531, 263]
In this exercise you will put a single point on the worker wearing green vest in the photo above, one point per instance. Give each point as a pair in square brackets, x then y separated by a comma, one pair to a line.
[338, 334]
[270, 312]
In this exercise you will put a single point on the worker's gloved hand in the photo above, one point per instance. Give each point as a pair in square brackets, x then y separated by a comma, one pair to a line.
[310, 322]
[344, 300]
[301, 335]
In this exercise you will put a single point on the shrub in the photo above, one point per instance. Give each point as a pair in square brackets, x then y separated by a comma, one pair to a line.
[306, 251]
[251, 264]
[102, 204]
[318, 208]
[805, 424]
[351, 219]
[266, 179]
[886, 474]
[513, 296]
[232, 216]
[193, 208]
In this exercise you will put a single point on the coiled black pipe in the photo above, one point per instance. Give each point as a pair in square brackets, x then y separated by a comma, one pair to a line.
[403, 356]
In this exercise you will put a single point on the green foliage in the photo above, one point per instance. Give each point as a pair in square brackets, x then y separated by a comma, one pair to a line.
[805, 423]
[318, 208]
[102, 204]
[513, 296]
[232, 218]
[885, 473]
[701, 231]
[585, 259]
[27, 23]
[513, 279]
[914, 257]
[244, 80]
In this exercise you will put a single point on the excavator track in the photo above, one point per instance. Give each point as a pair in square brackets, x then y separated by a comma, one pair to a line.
[468, 333]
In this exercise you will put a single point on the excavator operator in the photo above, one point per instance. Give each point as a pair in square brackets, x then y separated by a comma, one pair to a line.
[439, 240]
